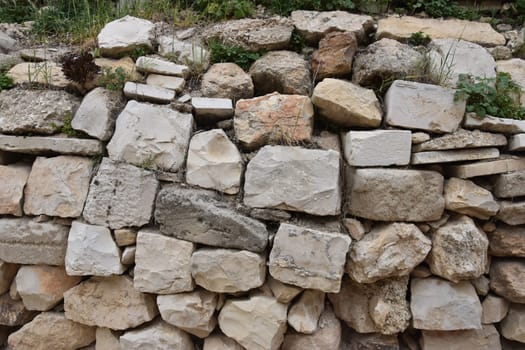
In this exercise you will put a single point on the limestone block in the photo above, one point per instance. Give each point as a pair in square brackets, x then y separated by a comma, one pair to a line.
[517, 142]
[166, 82]
[377, 148]
[157, 335]
[160, 66]
[465, 197]
[512, 213]
[149, 93]
[124, 35]
[305, 312]
[494, 309]
[494, 124]
[209, 110]
[485, 168]
[506, 279]
[513, 326]
[13, 179]
[39, 145]
[433, 157]
[462, 139]
[507, 241]
[227, 80]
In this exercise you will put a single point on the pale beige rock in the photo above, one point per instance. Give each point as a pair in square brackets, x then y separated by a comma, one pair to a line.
[13, 292]
[377, 148]
[160, 66]
[209, 110]
[516, 68]
[126, 64]
[494, 124]
[189, 52]
[484, 168]
[465, 197]
[149, 93]
[227, 80]
[335, 55]
[433, 157]
[391, 250]
[305, 312]
[58, 186]
[482, 283]
[14, 312]
[423, 107]
[512, 213]
[308, 258]
[51, 330]
[444, 306]
[42, 287]
[162, 264]
[157, 335]
[462, 139]
[284, 293]
[486, 338]
[273, 118]
[45, 145]
[47, 73]
[128, 255]
[513, 326]
[125, 35]
[125, 236]
[220, 342]
[347, 104]
[507, 241]
[14, 179]
[400, 28]
[419, 138]
[257, 323]
[506, 279]
[106, 339]
[328, 141]
[217, 270]
[494, 309]
[355, 228]
[167, 82]
[517, 143]
[192, 312]
[7, 274]
[109, 302]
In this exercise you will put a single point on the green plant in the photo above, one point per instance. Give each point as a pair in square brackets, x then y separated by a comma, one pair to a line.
[286, 7]
[113, 79]
[438, 8]
[68, 129]
[218, 10]
[297, 42]
[5, 82]
[16, 10]
[225, 53]
[419, 39]
[498, 97]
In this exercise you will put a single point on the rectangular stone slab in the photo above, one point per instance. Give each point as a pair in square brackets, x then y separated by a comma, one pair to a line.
[462, 139]
[454, 155]
[44, 145]
[493, 124]
[517, 143]
[499, 166]
[150, 93]
[510, 185]
[378, 147]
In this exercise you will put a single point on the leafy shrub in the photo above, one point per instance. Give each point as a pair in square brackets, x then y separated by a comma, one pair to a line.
[498, 97]
[16, 10]
[5, 82]
[224, 53]
[113, 79]
[218, 10]
[419, 38]
[284, 7]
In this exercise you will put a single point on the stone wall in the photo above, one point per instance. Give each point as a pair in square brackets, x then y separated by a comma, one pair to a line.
[289, 207]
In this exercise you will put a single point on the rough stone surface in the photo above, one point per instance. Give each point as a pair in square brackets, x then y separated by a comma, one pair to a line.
[257, 323]
[41, 287]
[459, 250]
[517, 143]
[494, 309]
[507, 241]
[125, 35]
[220, 342]
[305, 312]
[369, 341]
[284, 293]
[486, 338]
[152, 136]
[97, 113]
[51, 330]
[494, 124]
[462, 139]
[158, 335]
[314, 25]
[106, 339]
[166, 82]
[125, 236]
[387, 251]
[309, 258]
[183, 51]
[92, 251]
[13, 312]
[347, 104]
[162, 264]
[433, 157]
[273, 118]
[7, 274]
[513, 326]
[198, 216]
[148, 93]
[217, 270]
[484, 168]
[191, 312]
[373, 307]
[227, 80]
[48, 74]
[26, 241]
[512, 213]
[385, 59]
[109, 302]
[50, 145]
[377, 148]
[210, 110]
[13, 179]
[444, 306]
[395, 194]
[271, 180]
[335, 55]
[126, 64]
[400, 28]
[120, 195]
[285, 72]
[44, 111]
[465, 197]
[506, 279]
[423, 107]
[214, 162]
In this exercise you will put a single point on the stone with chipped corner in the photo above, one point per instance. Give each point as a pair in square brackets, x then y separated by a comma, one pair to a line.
[148, 93]
[506, 279]
[227, 80]
[305, 312]
[433, 157]
[517, 143]
[507, 241]
[494, 124]
[513, 326]
[486, 338]
[465, 197]
[167, 82]
[40, 145]
[210, 110]
[489, 167]
[160, 66]
[460, 139]
[512, 213]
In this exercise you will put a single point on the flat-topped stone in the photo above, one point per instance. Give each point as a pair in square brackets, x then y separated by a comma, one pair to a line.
[378, 147]
[510, 185]
[46, 73]
[494, 124]
[160, 66]
[144, 92]
[50, 145]
[517, 142]
[125, 35]
[401, 28]
[166, 82]
[484, 168]
[486, 338]
[209, 109]
[448, 156]
[462, 139]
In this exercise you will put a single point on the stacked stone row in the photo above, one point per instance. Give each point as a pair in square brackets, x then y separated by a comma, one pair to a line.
[247, 227]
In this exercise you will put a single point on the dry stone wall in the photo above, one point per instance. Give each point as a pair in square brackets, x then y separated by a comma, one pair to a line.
[229, 216]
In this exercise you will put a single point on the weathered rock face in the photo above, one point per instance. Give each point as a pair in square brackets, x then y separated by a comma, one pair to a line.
[109, 302]
[13, 312]
[47, 73]
[309, 258]
[44, 145]
[373, 307]
[214, 162]
[126, 63]
[513, 326]
[25, 241]
[257, 323]
[283, 71]
[387, 251]
[494, 309]
[220, 342]
[227, 80]
[158, 335]
[369, 341]
[253, 34]
[395, 194]
[423, 107]
[517, 142]
[271, 180]
[106, 339]
[491, 167]
[120, 195]
[7, 274]
[507, 241]
[191, 312]
[335, 55]
[459, 250]
[198, 216]
[314, 25]
[443, 306]
[284, 293]
[461, 139]
[210, 110]
[167, 82]
[217, 270]
[462, 155]
[124, 35]
[44, 110]
[347, 104]
[148, 93]
[51, 330]
[494, 124]
[159, 66]
[151, 136]
[377, 148]
[92, 251]
[400, 28]
[14, 178]
[97, 113]
[41, 287]
[506, 279]
[162, 264]
[183, 51]
[486, 338]
[512, 213]
[273, 118]
[305, 312]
